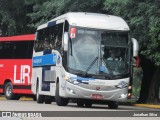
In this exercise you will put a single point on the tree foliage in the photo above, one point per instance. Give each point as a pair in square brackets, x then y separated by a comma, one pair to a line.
[143, 18]
[49, 9]
[13, 19]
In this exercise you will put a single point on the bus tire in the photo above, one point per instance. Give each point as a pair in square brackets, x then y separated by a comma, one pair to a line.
[34, 97]
[48, 100]
[88, 104]
[113, 105]
[8, 91]
[80, 103]
[59, 100]
[39, 98]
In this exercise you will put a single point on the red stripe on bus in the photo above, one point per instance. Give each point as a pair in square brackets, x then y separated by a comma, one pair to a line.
[1, 90]
[18, 38]
[21, 91]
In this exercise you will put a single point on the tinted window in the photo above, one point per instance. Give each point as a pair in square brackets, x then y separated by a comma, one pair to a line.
[23, 49]
[49, 38]
[16, 50]
[6, 50]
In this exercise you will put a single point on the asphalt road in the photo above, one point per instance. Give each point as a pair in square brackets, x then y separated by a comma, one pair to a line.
[23, 105]
[59, 111]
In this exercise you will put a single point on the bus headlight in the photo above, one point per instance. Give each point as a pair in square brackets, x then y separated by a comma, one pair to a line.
[68, 79]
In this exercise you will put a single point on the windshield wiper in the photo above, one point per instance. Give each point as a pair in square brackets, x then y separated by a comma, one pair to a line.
[90, 66]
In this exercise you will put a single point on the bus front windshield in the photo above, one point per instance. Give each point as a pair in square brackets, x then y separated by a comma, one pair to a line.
[99, 52]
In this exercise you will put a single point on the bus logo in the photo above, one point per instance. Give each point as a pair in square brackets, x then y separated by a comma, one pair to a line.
[24, 73]
[97, 88]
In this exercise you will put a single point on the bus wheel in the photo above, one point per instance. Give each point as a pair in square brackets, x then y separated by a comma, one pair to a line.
[40, 98]
[80, 103]
[34, 97]
[59, 100]
[48, 100]
[113, 105]
[8, 91]
[88, 104]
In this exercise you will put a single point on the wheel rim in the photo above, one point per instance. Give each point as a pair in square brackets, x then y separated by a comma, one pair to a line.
[80, 104]
[37, 95]
[9, 91]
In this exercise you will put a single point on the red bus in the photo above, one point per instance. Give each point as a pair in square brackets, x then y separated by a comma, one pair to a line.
[16, 65]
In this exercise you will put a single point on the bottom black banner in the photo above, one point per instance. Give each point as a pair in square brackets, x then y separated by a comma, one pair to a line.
[79, 114]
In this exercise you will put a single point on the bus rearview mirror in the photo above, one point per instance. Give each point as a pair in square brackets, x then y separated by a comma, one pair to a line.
[136, 61]
[135, 47]
[65, 41]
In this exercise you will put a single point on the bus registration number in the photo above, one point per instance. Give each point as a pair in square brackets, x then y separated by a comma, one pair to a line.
[97, 96]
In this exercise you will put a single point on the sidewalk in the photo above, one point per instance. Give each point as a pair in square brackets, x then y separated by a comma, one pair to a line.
[140, 105]
[147, 105]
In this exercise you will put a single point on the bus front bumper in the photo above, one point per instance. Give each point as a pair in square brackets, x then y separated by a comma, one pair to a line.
[75, 91]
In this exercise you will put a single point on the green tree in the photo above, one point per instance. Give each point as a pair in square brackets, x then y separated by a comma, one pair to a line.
[13, 19]
[49, 9]
[143, 18]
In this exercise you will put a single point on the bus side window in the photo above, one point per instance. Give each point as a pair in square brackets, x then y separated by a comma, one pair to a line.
[59, 37]
[7, 48]
[25, 47]
[46, 39]
[49, 38]
[38, 46]
[52, 41]
[56, 36]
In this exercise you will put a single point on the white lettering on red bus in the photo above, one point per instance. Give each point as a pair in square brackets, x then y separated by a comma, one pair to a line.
[24, 74]
[1, 65]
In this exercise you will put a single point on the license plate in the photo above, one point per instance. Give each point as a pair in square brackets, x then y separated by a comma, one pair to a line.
[97, 96]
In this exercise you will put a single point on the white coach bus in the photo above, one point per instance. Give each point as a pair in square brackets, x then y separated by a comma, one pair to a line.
[83, 56]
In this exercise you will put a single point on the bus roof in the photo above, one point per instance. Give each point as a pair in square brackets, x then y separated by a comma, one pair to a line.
[90, 20]
[27, 37]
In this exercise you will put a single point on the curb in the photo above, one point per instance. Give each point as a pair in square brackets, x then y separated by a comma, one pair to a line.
[21, 99]
[147, 105]
[26, 99]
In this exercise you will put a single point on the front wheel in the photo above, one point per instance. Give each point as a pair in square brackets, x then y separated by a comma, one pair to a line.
[80, 103]
[88, 104]
[59, 100]
[48, 100]
[8, 91]
[113, 105]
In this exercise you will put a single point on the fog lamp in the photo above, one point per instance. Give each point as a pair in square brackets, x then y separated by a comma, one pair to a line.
[70, 90]
[123, 96]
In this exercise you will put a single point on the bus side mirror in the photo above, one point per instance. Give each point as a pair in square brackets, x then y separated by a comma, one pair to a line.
[65, 41]
[136, 61]
[135, 47]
